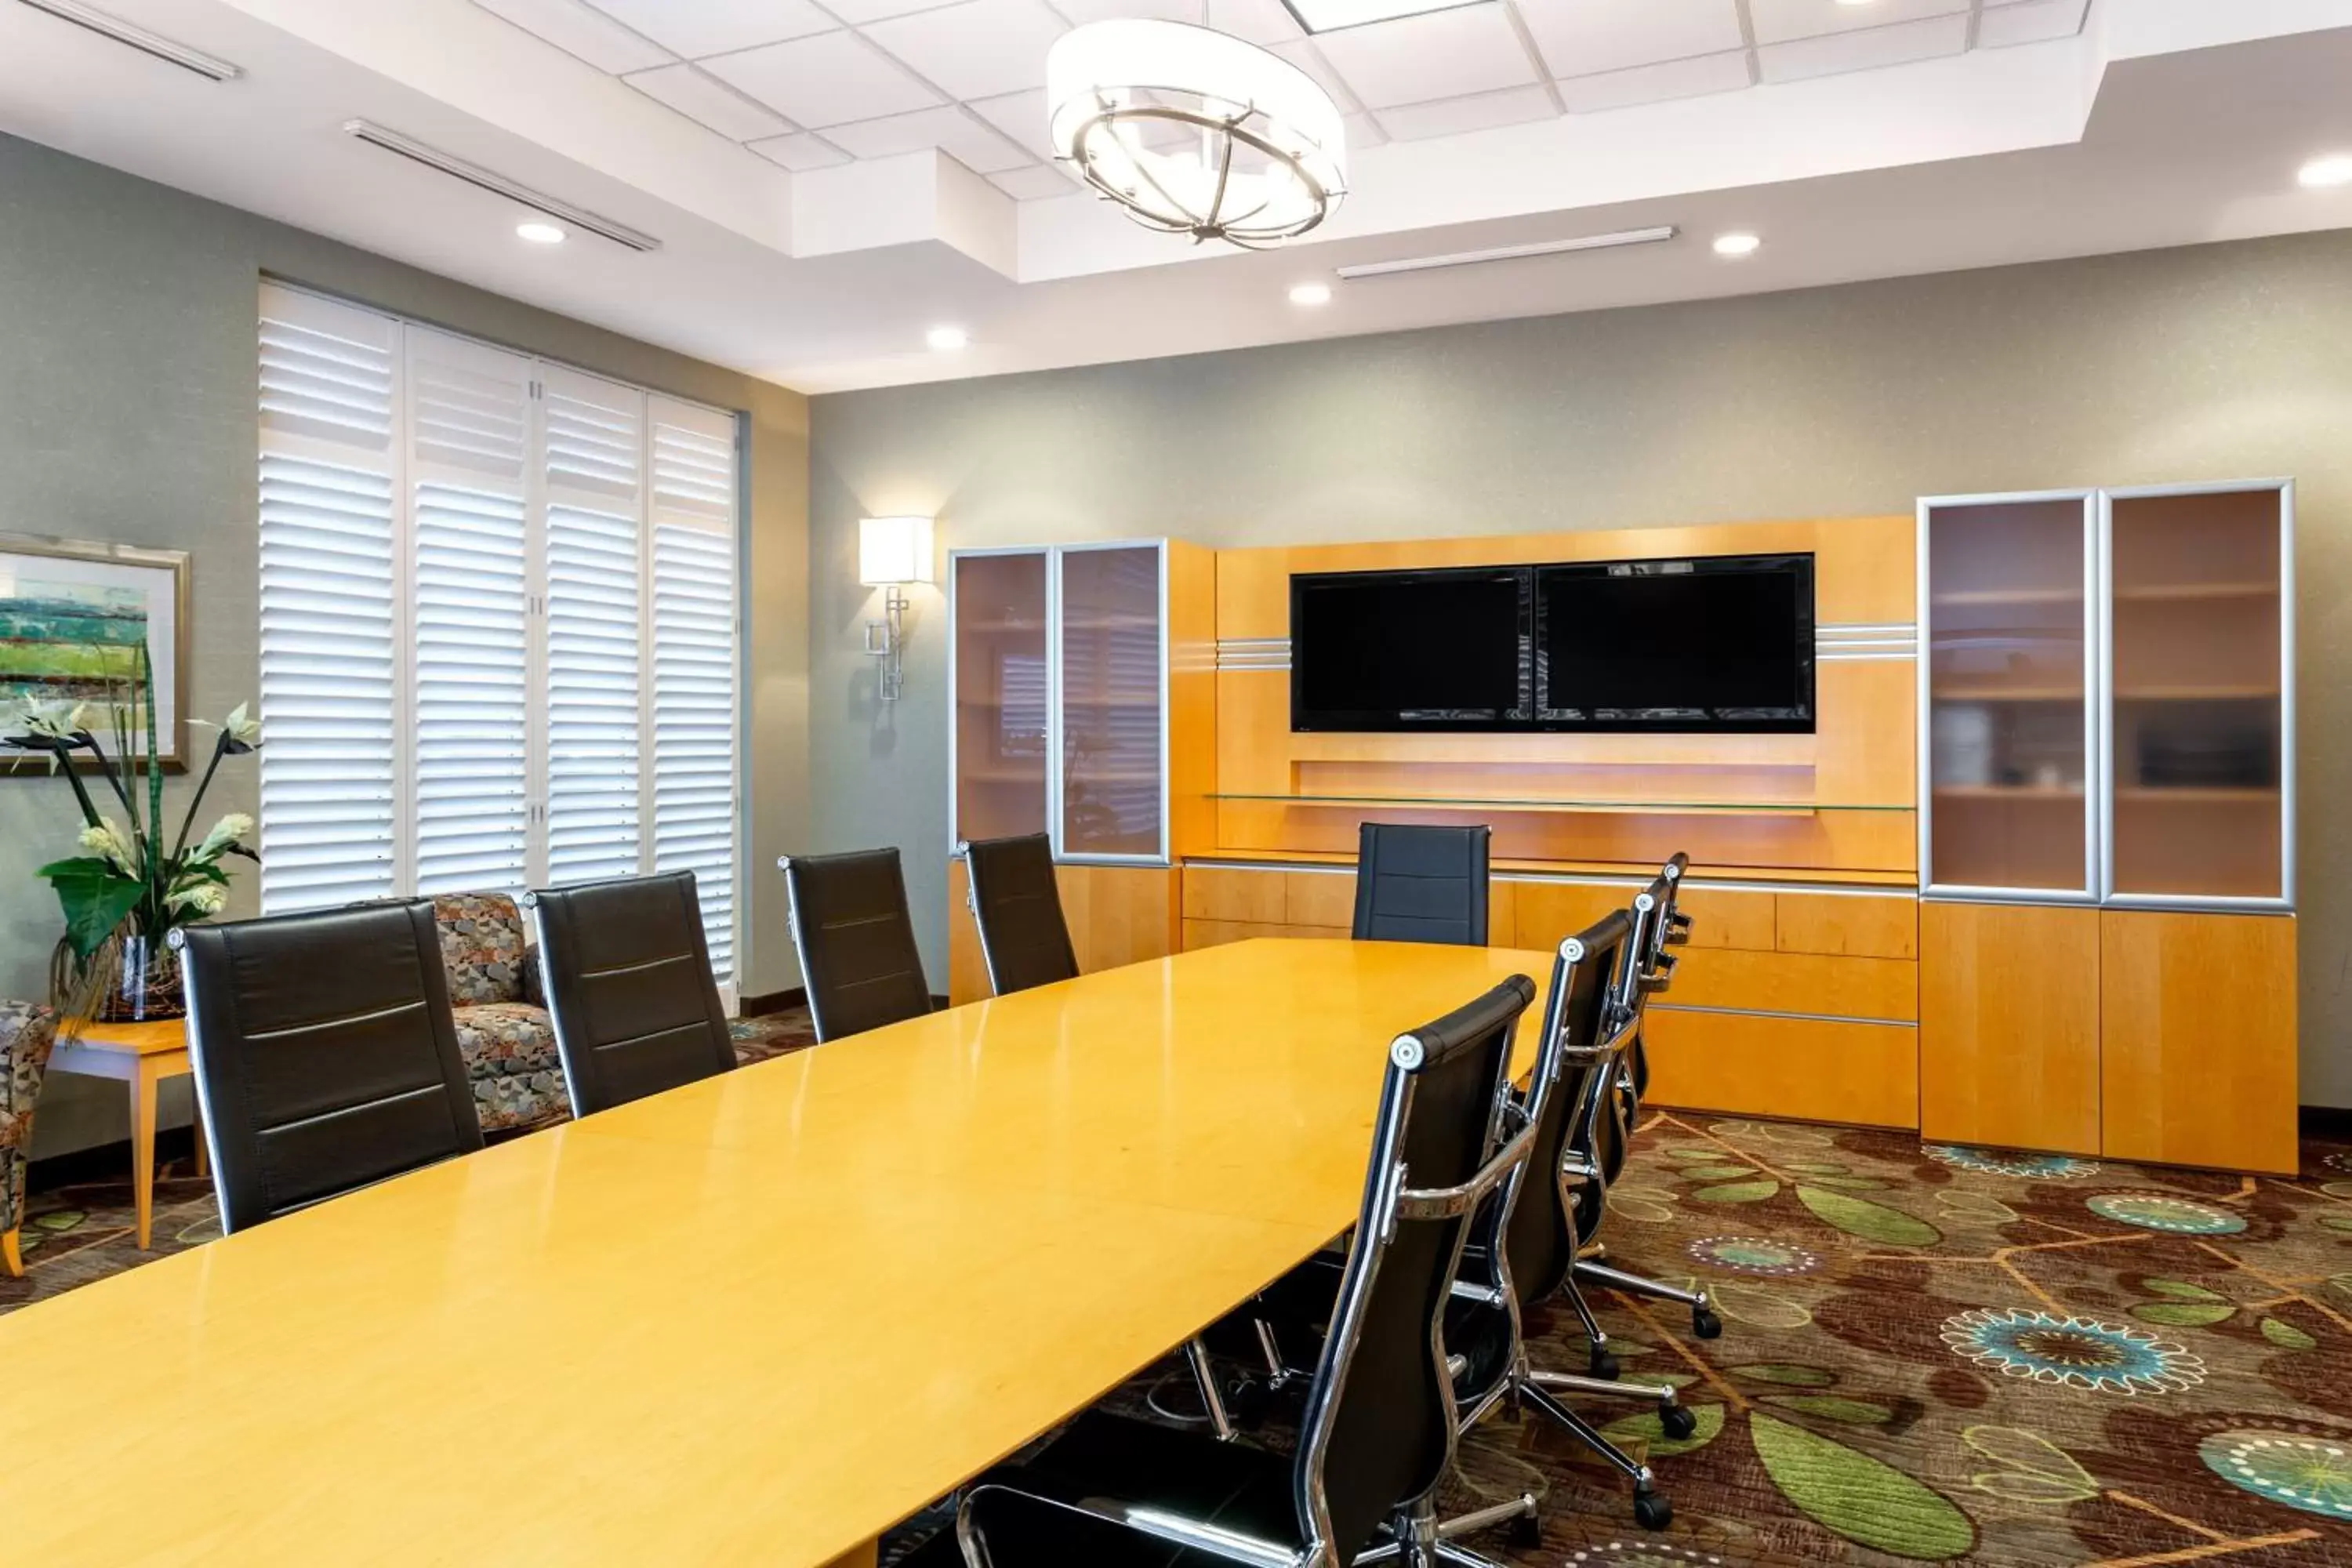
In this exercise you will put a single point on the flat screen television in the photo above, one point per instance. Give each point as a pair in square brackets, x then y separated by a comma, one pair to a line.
[1720, 644]
[1412, 650]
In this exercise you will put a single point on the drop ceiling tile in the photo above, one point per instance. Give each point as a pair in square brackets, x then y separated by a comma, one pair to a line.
[857, 13]
[1363, 132]
[577, 29]
[1252, 21]
[1020, 115]
[800, 153]
[1035, 184]
[2030, 22]
[1303, 54]
[1584, 37]
[1779, 21]
[717, 27]
[825, 81]
[1418, 60]
[1479, 112]
[977, 50]
[1895, 46]
[949, 129]
[709, 102]
[1692, 77]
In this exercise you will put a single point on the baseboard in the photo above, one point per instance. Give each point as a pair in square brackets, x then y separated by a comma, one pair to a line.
[104, 1162]
[773, 1002]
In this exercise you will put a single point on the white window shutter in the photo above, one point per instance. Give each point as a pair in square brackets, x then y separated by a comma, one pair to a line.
[693, 772]
[595, 495]
[470, 439]
[331, 626]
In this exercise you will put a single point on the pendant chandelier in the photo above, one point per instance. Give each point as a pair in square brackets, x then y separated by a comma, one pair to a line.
[1194, 131]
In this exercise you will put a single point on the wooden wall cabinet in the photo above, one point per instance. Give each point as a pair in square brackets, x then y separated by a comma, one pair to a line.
[2106, 841]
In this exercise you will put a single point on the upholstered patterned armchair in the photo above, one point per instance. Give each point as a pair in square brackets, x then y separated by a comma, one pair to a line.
[28, 1033]
[503, 1029]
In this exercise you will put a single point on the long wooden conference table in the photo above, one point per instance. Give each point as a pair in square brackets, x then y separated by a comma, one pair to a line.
[759, 1319]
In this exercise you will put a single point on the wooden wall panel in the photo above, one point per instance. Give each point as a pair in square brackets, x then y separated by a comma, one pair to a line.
[1799, 983]
[1325, 898]
[1119, 914]
[2008, 1026]
[1729, 917]
[1868, 1074]
[2198, 1039]
[1863, 925]
[1193, 761]
[1547, 911]
[1235, 893]
[1213, 933]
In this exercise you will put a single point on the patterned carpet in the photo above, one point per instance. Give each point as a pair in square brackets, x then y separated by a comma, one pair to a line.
[1930, 1354]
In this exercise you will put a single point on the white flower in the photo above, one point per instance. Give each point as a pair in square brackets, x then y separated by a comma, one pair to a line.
[240, 731]
[107, 839]
[53, 721]
[199, 898]
[230, 829]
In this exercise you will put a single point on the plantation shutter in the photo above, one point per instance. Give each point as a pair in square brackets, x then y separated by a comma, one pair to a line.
[331, 627]
[469, 443]
[595, 711]
[694, 661]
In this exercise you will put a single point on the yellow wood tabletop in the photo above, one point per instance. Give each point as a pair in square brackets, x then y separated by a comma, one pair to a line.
[757, 1319]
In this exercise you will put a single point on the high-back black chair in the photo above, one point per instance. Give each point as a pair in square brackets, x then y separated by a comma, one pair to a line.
[1017, 905]
[855, 941]
[1380, 1421]
[323, 1053]
[626, 969]
[1420, 884]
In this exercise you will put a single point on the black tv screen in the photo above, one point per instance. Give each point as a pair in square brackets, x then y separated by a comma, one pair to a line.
[1411, 650]
[1721, 643]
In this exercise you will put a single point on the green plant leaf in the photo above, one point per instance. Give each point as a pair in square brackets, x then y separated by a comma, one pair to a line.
[93, 907]
[2184, 1315]
[1868, 1220]
[1783, 1372]
[1831, 1407]
[2181, 1291]
[1759, 1307]
[1864, 1499]
[1738, 1192]
[2286, 1336]
[1644, 1434]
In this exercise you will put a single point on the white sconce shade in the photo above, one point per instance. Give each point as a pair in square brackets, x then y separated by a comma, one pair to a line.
[894, 549]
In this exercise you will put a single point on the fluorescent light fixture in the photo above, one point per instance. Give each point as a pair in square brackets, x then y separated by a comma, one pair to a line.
[1737, 244]
[947, 339]
[208, 65]
[893, 549]
[539, 232]
[489, 179]
[1510, 252]
[1310, 293]
[1329, 15]
[2320, 173]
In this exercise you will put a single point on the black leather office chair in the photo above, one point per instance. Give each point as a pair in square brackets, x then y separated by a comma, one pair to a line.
[1665, 926]
[626, 969]
[1420, 884]
[1379, 1426]
[1017, 905]
[855, 941]
[323, 1054]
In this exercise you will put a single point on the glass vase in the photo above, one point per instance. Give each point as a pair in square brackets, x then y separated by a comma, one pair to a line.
[147, 987]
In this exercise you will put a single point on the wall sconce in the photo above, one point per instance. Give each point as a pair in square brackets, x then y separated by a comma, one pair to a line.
[891, 552]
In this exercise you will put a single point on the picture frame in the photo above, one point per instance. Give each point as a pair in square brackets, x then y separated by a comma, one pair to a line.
[68, 605]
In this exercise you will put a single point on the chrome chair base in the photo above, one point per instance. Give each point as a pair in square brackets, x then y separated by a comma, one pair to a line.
[1705, 1323]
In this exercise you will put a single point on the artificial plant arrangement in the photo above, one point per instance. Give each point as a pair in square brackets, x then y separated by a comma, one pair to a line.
[127, 891]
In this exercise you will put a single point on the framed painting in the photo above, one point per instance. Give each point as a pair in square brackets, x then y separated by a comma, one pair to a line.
[73, 614]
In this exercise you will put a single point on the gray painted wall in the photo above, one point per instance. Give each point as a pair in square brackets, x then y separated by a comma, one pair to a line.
[2218, 361]
[127, 390]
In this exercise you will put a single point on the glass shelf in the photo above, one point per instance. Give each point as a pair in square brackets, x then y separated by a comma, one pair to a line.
[1616, 807]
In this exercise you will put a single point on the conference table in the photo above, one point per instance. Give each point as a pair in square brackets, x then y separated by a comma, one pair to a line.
[757, 1319]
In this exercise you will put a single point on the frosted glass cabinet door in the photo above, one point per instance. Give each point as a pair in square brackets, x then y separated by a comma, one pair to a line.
[1001, 690]
[2196, 730]
[2008, 710]
[1111, 790]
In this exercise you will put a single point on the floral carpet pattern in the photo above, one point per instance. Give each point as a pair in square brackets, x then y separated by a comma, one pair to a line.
[1930, 1354]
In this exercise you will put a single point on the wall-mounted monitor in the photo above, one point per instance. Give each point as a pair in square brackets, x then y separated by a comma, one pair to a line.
[1720, 644]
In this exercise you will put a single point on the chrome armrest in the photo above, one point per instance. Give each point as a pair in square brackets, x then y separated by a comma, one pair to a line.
[1485, 1295]
[1157, 1524]
[1443, 1202]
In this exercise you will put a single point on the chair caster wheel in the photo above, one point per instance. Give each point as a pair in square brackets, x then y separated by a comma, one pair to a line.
[1246, 1402]
[1706, 1324]
[1653, 1511]
[1525, 1533]
[1605, 1365]
[1678, 1422]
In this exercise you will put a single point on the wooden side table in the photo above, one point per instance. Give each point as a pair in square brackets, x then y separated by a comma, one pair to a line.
[141, 1055]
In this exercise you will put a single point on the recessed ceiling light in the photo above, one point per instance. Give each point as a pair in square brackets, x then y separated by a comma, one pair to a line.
[539, 233]
[1737, 244]
[1310, 293]
[1328, 15]
[2335, 168]
[1857, 2]
[947, 339]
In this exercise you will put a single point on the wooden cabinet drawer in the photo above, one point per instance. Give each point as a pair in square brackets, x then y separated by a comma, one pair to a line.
[1235, 893]
[1798, 1067]
[1324, 899]
[1813, 985]
[1861, 925]
[1544, 912]
[1729, 917]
